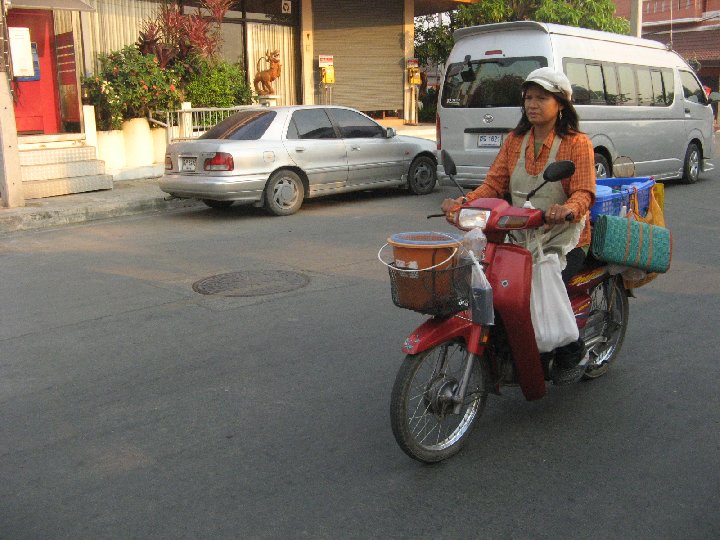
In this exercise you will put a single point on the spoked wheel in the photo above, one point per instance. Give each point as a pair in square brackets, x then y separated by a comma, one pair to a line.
[421, 406]
[610, 302]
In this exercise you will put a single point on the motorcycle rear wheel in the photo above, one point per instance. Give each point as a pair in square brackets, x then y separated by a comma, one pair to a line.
[421, 408]
[611, 298]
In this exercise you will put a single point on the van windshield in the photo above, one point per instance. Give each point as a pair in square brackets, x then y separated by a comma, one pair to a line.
[488, 83]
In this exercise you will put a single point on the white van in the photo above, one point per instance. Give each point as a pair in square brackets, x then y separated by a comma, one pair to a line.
[635, 98]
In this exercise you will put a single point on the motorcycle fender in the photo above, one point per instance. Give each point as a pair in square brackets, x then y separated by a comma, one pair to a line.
[435, 331]
[510, 276]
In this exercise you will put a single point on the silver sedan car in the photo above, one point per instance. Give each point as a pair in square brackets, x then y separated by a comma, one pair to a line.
[278, 156]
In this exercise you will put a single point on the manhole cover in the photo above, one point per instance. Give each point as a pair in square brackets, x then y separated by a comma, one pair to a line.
[251, 283]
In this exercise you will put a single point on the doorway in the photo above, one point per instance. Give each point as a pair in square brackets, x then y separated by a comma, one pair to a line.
[35, 98]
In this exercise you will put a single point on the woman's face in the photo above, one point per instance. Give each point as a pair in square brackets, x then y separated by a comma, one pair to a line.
[541, 107]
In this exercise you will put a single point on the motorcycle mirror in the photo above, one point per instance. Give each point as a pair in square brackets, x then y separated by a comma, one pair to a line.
[450, 169]
[448, 163]
[467, 74]
[559, 170]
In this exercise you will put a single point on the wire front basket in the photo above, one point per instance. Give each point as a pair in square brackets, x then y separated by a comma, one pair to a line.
[437, 292]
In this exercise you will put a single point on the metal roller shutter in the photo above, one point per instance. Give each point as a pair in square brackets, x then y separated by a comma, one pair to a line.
[365, 38]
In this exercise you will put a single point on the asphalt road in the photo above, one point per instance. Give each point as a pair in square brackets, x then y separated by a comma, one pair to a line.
[132, 406]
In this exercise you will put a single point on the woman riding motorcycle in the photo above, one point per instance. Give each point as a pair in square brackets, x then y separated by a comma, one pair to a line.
[548, 131]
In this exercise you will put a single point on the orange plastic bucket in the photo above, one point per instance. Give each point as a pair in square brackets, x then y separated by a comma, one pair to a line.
[421, 258]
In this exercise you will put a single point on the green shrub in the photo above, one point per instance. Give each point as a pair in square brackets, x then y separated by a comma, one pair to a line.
[218, 84]
[128, 85]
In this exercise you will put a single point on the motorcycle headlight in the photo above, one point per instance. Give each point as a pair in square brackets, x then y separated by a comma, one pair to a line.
[472, 218]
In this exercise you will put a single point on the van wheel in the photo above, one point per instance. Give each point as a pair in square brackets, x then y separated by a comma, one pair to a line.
[691, 167]
[602, 167]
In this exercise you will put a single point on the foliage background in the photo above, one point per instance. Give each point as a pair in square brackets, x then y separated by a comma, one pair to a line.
[433, 41]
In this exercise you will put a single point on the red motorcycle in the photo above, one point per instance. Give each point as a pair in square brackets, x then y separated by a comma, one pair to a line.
[452, 364]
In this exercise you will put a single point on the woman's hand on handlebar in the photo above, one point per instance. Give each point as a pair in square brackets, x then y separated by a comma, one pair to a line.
[450, 204]
[558, 214]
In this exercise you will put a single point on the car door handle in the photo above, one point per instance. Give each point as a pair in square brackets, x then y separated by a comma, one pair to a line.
[687, 111]
[354, 148]
[299, 148]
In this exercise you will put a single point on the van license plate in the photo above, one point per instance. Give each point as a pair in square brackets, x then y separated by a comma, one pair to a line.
[188, 163]
[490, 140]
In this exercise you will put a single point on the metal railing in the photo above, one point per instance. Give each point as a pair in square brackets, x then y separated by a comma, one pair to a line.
[189, 123]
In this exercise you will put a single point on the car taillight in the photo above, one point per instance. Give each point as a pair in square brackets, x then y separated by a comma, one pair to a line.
[168, 162]
[437, 131]
[221, 161]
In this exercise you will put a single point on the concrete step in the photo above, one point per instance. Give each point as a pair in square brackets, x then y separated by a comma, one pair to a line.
[47, 156]
[50, 171]
[39, 189]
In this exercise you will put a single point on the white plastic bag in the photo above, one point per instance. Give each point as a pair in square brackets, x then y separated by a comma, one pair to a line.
[550, 310]
[481, 300]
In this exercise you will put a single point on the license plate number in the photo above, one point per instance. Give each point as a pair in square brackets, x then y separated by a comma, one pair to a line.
[188, 163]
[490, 140]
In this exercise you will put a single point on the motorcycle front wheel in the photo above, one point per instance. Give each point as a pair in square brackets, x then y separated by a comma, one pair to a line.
[421, 406]
[611, 300]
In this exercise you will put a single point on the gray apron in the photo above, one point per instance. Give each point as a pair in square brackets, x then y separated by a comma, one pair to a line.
[559, 239]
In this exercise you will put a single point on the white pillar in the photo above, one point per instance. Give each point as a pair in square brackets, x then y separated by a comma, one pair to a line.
[10, 178]
[409, 103]
[307, 53]
[89, 127]
[636, 18]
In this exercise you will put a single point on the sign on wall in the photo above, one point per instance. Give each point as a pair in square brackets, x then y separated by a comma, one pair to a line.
[286, 7]
[325, 60]
[21, 52]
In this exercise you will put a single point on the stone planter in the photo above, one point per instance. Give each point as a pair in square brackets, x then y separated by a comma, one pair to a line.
[159, 144]
[139, 147]
[111, 149]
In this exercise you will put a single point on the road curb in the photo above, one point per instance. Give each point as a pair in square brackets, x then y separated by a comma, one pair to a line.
[32, 218]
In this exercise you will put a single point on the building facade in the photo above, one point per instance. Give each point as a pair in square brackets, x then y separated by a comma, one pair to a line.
[59, 41]
[690, 27]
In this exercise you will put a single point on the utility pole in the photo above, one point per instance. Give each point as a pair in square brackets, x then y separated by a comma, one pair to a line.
[10, 180]
[636, 18]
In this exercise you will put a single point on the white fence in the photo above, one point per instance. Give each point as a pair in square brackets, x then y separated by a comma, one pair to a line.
[190, 123]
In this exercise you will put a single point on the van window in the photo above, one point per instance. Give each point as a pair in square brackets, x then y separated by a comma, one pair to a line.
[692, 89]
[645, 88]
[668, 78]
[488, 83]
[575, 71]
[611, 85]
[626, 78]
[595, 84]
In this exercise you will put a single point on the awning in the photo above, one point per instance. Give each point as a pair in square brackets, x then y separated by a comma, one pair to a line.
[75, 5]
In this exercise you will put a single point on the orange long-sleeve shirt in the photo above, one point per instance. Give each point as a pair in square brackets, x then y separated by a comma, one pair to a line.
[580, 187]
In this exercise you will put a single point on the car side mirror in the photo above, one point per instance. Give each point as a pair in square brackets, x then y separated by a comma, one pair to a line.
[714, 97]
[390, 133]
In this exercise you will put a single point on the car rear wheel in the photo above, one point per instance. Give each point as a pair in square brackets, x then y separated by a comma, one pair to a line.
[284, 193]
[422, 176]
[217, 204]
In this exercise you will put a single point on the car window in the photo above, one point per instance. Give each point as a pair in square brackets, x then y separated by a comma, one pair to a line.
[242, 126]
[310, 124]
[692, 89]
[354, 125]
